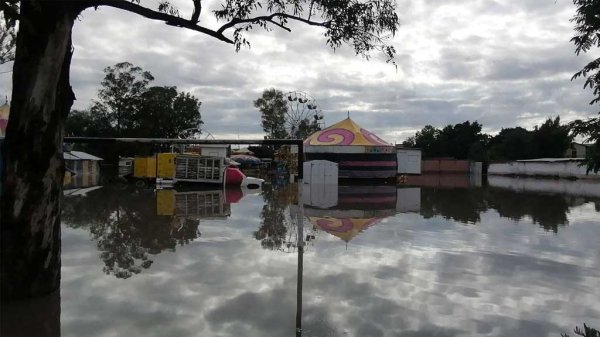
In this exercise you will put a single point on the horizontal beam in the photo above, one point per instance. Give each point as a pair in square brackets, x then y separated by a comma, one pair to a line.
[183, 141]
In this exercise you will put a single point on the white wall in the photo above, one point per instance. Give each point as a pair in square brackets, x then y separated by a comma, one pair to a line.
[409, 161]
[585, 188]
[563, 169]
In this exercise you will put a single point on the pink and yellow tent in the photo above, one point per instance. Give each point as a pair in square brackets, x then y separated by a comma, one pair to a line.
[358, 152]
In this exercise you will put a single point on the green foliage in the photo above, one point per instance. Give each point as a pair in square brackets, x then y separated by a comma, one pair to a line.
[427, 141]
[590, 130]
[365, 25]
[306, 127]
[164, 113]
[552, 138]
[587, 28]
[513, 144]
[121, 95]
[273, 109]
[466, 141]
[128, 108]
[460, 141]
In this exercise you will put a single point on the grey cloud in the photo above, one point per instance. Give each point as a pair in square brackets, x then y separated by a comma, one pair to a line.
[452, 66]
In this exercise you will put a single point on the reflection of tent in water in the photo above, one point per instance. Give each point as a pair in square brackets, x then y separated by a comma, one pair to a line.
[358, 152]
[345, 228]
[346, 211]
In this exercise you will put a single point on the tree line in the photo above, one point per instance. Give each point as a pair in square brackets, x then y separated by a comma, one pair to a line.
[466, 140]
[128, 107]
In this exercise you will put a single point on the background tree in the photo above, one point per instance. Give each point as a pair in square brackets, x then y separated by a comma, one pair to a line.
[277, 117]
[590, 130]
[587, 27]
[512, 144]
[306, 127]
[552, 139]
[460, 141]
[42, 98]
[427, 141]
[273, 109]
[457, 140]
[120, 95]
[164, 113]
[84, 123]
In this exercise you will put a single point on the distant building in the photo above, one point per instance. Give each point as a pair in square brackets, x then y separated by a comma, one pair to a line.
[81, 169]
[576, 150]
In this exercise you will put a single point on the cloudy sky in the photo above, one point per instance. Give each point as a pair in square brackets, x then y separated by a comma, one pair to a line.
[502, 63]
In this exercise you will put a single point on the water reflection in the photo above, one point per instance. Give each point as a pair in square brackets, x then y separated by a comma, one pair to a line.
[414, 270]
[547, 208]
[345, 211]
[129, 225]
[276, 231]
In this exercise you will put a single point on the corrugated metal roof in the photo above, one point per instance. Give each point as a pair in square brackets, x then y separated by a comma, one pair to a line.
[79, 155]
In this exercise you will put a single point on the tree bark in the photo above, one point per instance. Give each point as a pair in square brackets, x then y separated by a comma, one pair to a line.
[33, 175]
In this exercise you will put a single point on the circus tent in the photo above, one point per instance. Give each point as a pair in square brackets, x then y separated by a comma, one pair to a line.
[358, 152]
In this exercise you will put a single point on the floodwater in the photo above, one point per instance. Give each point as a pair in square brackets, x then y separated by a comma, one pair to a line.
[516, 257]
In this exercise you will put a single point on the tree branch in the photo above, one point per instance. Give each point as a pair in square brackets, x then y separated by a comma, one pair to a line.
[269, 18]
[154, 15]
[197, 10]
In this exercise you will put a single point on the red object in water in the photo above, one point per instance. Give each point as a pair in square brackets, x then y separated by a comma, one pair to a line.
[233, 176]
[233, 194]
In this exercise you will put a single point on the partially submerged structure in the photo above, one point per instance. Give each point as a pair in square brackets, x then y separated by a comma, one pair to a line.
[358, 152]
[81, 169]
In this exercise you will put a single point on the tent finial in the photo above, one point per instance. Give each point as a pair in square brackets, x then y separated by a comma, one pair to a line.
[348, 114]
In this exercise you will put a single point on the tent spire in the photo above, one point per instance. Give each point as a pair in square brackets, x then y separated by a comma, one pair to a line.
[348, 114]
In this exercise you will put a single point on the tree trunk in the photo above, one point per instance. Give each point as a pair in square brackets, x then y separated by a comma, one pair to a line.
[33, 176]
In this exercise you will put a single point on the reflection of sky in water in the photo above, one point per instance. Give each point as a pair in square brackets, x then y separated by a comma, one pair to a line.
[405, 276]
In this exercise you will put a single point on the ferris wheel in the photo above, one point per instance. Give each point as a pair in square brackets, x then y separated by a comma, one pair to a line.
[195, 133]
[303, 116]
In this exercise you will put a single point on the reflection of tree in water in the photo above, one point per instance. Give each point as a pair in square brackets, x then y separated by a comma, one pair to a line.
[125, 225]
[275, 215]
[465, 205]
[547, 210]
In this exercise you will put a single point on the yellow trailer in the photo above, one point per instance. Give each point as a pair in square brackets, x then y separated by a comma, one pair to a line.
[145, 167]
[177, 167]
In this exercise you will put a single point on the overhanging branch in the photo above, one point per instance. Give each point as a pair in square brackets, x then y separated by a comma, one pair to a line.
[197, 10]
[269, 18]
[154, 15]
